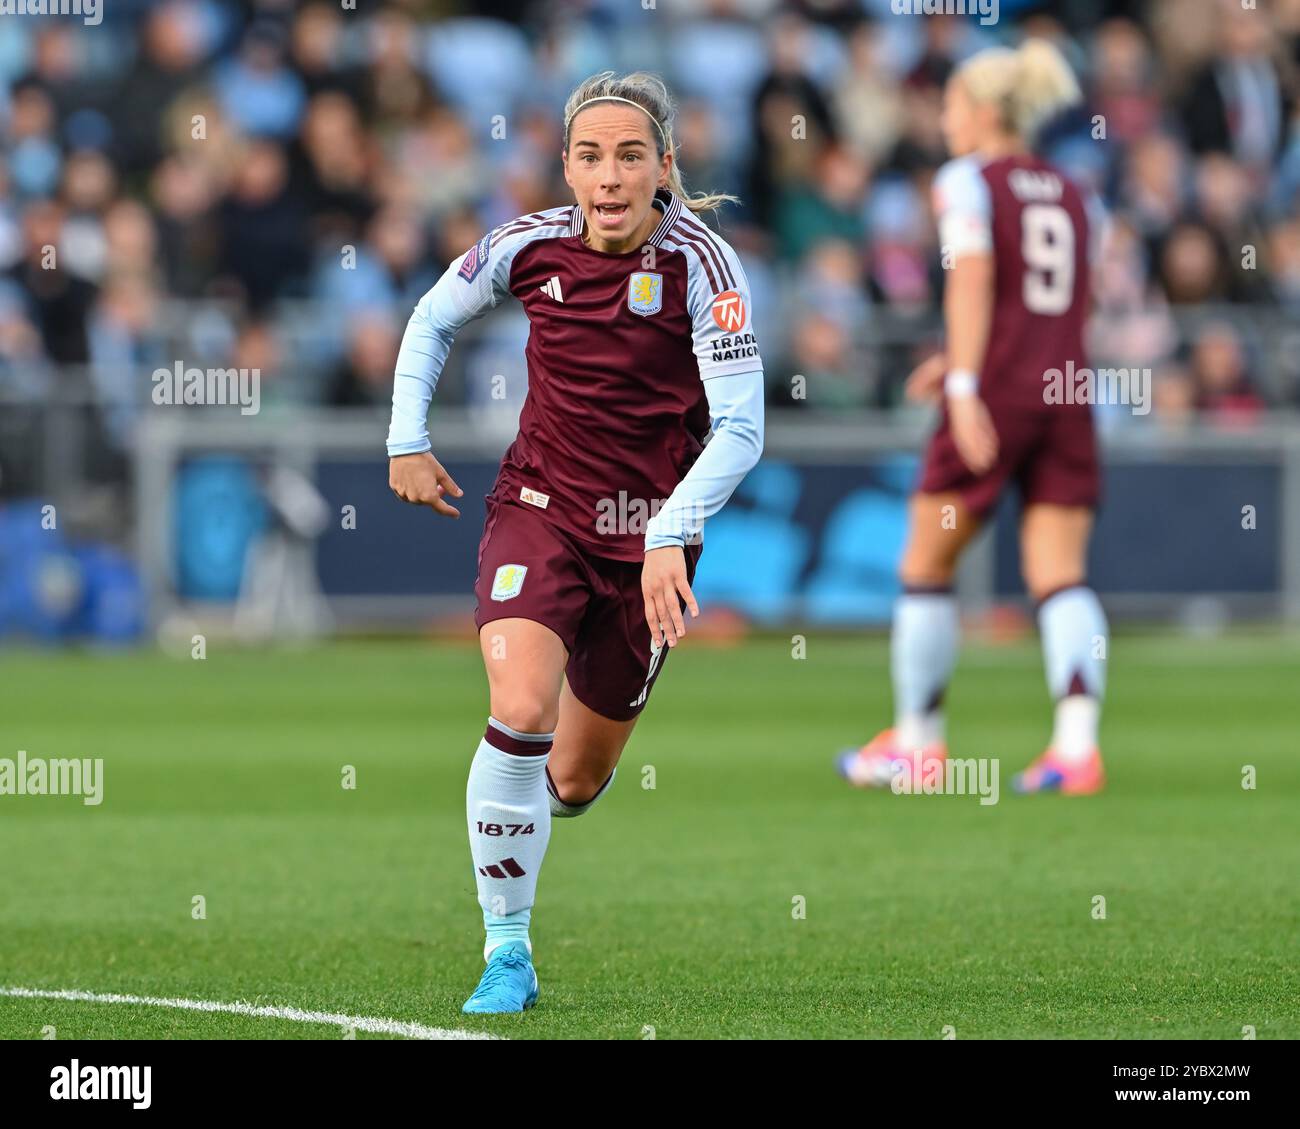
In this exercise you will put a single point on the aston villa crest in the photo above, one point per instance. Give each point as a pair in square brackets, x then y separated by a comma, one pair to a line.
[645, 293]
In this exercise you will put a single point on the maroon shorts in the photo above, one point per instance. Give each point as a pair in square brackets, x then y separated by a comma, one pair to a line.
[1051, 456]
[530, 569]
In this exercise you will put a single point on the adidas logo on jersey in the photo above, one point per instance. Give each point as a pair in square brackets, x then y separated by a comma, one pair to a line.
[552, 288]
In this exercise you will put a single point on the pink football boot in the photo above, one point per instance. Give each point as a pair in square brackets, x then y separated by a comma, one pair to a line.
[874, 765]
[1051, 774]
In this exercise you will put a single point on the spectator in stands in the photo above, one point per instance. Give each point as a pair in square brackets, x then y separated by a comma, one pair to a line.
[793, 126]
[1239, 104]
[183, 194]
[1173, 396]
[1283, 265]
[825, 203]
[824, 356]
[173, 47]
[867, 102]
[1124, 90]
[58, 301]
[256, 89]
[1224, 392]
[1226, 203]
[1193, 266]
[125, 348]
[226, 154]
[365, 378]
[262, 227]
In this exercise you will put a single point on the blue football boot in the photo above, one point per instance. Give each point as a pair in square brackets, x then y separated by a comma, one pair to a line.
[509, 982]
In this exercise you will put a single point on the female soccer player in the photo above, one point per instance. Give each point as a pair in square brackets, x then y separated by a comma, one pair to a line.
[640, 340]
[1017, 235]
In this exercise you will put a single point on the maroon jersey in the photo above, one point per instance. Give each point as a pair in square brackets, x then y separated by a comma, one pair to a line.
[1035, 223]
[618, 347]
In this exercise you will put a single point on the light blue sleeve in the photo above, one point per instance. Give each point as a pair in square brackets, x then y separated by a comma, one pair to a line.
[963, 209]
[736, 412]
[425, 346]
[471, 286]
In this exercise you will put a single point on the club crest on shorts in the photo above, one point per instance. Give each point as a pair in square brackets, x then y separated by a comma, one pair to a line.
[509, 581]
[645, 293]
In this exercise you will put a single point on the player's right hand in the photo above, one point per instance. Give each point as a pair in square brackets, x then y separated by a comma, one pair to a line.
[421, 480]
[973, 432]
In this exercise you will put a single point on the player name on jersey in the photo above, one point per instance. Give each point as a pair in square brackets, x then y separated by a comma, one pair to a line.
[1035, 185]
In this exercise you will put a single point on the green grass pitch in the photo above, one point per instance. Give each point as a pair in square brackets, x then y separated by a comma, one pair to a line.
[667, 910]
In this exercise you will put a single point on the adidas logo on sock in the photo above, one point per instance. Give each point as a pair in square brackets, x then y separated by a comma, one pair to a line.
[552, 288]
[506, 868]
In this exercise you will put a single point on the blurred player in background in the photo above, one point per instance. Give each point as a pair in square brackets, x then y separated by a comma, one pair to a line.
[640, 340]
[1018, 237]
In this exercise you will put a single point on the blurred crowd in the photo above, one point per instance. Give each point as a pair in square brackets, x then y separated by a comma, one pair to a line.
[272, 184]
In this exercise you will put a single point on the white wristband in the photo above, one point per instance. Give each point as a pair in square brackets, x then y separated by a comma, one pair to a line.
[961, 382]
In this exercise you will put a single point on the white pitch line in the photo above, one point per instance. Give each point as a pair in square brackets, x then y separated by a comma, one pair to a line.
[297, 1015]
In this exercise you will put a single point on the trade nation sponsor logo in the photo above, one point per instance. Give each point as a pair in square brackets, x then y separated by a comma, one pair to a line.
[735, 348]
[729, 311]
[729, 315]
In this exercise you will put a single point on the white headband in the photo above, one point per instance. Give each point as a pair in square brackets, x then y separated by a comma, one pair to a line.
[615, 98]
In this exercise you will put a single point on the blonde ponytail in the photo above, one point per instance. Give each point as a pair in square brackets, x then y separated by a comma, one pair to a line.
[1029, 85]
[649, 93]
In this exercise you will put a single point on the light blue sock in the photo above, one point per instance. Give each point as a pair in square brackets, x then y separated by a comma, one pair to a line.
[510, 927]
[923, 651]
[1076, 643]
[509, 822]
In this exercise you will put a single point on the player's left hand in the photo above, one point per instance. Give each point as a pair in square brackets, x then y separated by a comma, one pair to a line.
[973, 433]
[664, 585]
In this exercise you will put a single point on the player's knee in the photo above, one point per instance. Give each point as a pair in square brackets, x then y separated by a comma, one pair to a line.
[922, 570]
[927, 564]
[574, 793]
[525, 713]
[1040, 592]
[1045, 573]
[1042, 580]
[576, 790]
